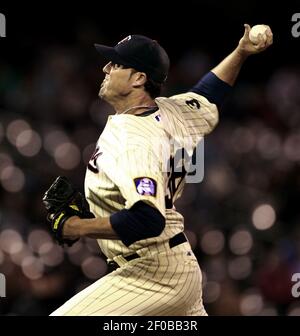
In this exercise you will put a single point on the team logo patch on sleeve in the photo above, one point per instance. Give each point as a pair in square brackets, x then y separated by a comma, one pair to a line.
[145, 186]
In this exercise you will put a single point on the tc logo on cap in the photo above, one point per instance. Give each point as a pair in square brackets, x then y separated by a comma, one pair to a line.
[125, 39]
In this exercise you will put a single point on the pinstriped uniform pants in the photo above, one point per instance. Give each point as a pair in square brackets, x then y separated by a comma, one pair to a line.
[165, 284]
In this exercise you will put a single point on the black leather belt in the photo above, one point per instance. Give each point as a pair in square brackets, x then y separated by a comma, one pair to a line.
[178, 239]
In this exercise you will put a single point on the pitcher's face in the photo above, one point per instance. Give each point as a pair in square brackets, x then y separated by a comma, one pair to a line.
[117, 82]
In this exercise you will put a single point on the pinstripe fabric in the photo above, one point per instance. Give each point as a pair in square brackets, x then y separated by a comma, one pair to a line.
[166, 284]
[164, 280]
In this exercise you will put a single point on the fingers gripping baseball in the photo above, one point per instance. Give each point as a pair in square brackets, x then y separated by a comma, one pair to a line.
[255, 40]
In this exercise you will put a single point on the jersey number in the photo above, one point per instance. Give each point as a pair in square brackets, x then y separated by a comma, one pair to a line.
[193, 103]
[176, 175]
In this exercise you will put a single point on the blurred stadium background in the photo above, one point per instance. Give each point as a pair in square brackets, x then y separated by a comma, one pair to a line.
[242, 220]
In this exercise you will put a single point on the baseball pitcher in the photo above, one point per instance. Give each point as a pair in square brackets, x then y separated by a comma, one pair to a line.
[134, 177]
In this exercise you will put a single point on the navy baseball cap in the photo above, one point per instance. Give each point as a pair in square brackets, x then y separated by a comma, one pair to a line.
[140, 53]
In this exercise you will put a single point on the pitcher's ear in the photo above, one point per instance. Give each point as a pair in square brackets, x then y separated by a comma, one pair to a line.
[140, 78]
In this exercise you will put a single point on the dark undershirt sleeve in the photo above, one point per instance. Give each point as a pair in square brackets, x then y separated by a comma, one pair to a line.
[141, 221]
[212, 88]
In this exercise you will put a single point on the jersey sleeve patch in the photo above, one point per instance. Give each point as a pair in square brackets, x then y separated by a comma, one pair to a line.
[145, 186]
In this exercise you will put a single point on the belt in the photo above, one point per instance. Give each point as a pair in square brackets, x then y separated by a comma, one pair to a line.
[178, 239]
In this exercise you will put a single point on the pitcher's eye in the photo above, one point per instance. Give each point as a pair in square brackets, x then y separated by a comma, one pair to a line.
[116, 65]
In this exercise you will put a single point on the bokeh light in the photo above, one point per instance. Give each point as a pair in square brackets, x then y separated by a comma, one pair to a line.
[220, 180]
[37, 239]
[242, 140]
[28, 143]
[11, 241]
[251, 303]
[67, 155]
[241, 242]
[92, 245]
[263, 217]
[18, 257]
[216, 268]
[78, 252]
[5, 161]
[268, 310]
[212, 242]
[269, 145]
[53, 138]
[32, 267]
[12, 179]
[51, 254]
[291, 147]
[294, 310]
[211, 292]
[15, 128]
[94, 267]
[240, 268]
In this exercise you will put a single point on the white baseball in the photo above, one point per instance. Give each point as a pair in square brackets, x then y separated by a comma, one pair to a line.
[255, 31]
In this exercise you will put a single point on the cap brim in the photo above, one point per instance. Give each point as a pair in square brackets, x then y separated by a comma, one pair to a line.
[110, 54]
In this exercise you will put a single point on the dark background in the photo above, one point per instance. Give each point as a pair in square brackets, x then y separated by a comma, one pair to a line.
[242, 220]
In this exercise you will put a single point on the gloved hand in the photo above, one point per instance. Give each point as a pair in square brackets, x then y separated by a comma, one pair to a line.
[62, 201]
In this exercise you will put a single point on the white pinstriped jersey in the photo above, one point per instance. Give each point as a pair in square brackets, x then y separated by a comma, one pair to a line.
[128, 166]
[134, 147]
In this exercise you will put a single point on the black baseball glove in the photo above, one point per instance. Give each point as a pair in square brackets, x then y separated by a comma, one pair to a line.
[62, 201]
